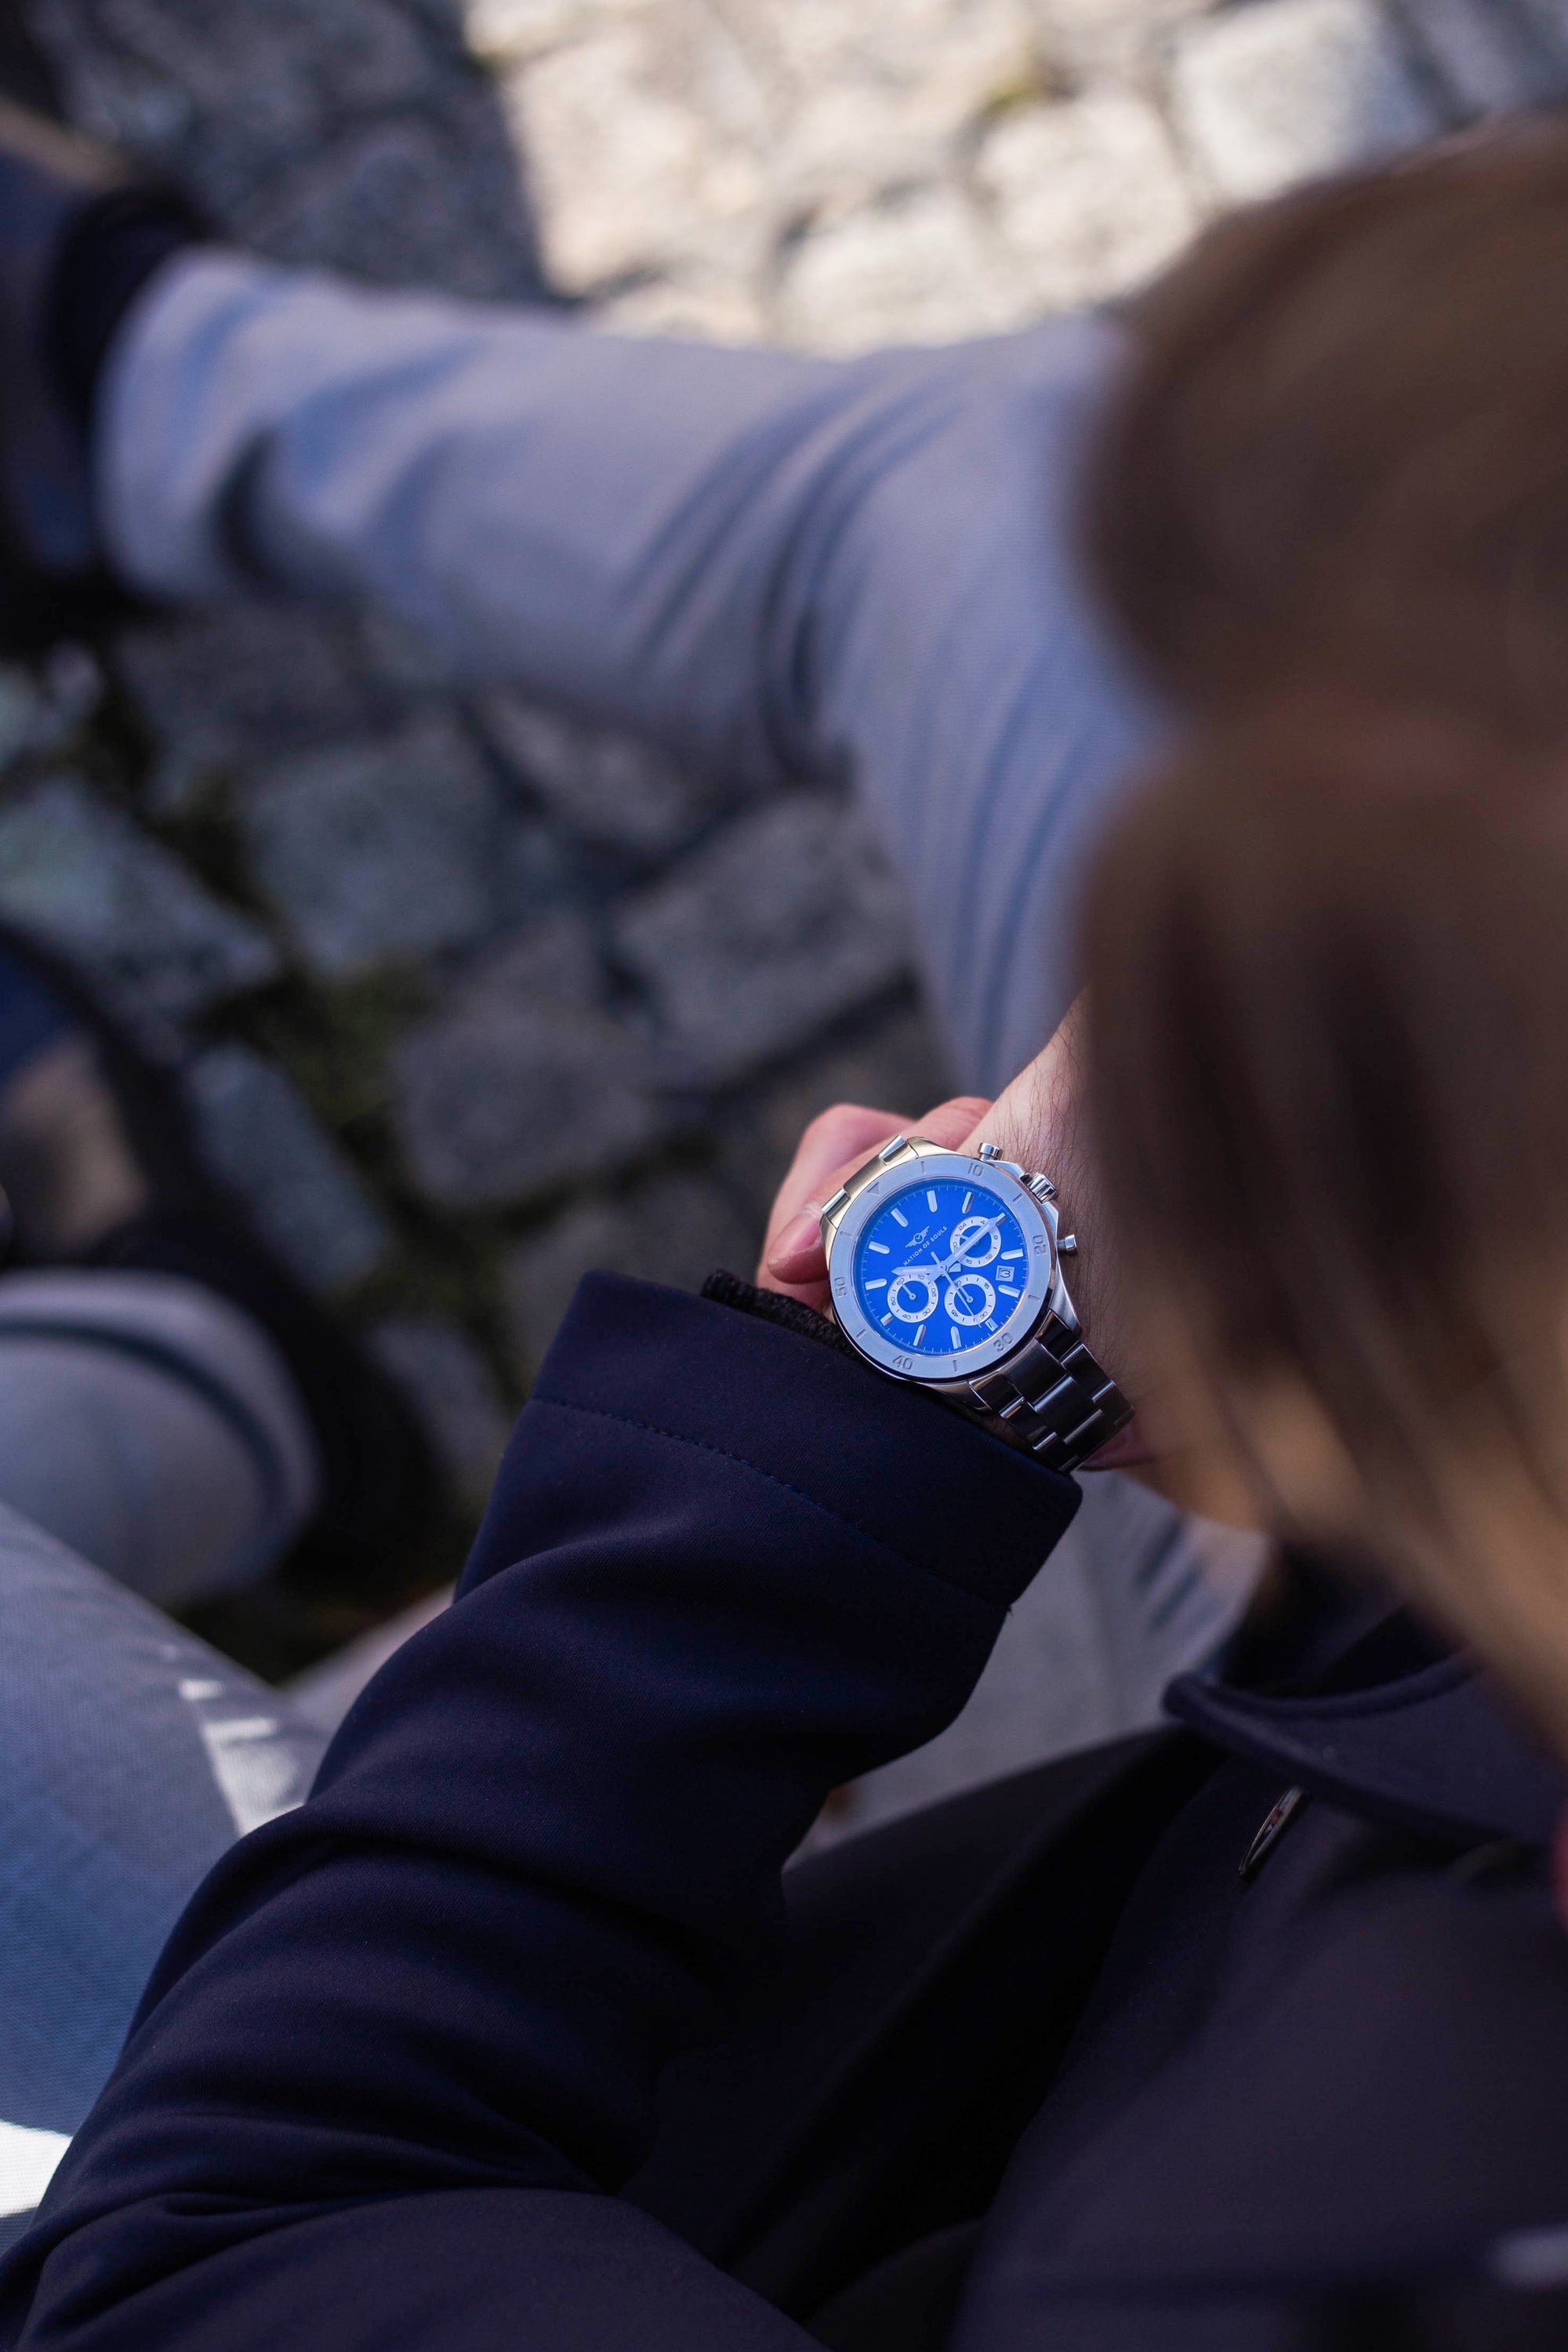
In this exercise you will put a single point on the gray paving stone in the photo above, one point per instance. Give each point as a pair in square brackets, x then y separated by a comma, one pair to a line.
[449, 1383]
[362, 124]
[83, 877]
[391, 203]
[605, 786]
[1488, 59]
[20, 702]
[396, 847]
[506, 1094]
[896, 1065]
[673, 1228]
[257, 1133]
[786, 920]
[555, 961]
[238, 687]
[1286, 90]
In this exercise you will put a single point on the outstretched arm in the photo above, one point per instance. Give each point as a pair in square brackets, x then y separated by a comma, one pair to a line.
[401, 2051]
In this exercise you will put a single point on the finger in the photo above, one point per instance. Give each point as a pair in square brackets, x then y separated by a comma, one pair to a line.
[794, 1257]
[844, 1135]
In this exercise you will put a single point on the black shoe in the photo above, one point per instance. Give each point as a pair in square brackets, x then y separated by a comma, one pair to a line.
[80, 232]
[100, 1170]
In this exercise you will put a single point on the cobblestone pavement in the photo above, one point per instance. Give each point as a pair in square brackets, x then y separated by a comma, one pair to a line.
[467, 999]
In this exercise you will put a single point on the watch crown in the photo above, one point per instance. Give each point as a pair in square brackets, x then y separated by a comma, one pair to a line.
[989, 1152]
[1042, 1188]
[1066, 1245]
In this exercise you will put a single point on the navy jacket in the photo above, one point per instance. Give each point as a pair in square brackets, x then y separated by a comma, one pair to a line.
[502, 2040]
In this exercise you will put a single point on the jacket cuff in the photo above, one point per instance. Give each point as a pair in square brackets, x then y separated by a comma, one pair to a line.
[918, 1480]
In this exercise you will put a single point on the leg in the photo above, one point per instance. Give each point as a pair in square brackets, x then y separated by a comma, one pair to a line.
[132, 1756]
[788, 565]
[148, 1425]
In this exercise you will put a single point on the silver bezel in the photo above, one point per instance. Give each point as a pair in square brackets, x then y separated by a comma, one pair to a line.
[908, 1175]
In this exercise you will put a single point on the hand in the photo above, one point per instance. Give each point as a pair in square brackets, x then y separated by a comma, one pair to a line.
[833, 1145]
[1037, 1122]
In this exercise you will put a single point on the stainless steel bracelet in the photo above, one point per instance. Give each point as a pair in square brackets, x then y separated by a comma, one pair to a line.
[1055, 1400]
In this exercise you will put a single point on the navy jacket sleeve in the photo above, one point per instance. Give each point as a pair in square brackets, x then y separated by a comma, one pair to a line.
[401, 2050]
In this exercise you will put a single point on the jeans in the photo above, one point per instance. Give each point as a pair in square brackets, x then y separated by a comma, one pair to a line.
[790, 566]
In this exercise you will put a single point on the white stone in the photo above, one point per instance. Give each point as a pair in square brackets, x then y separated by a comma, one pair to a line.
[673, 176]
[1095, 38]
[926, 268]
[1090, 195]
[704, 302]
[875, 95]
[1290, 89]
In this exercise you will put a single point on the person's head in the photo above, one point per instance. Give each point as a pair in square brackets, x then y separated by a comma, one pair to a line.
[1328, 965]
[1340, 449]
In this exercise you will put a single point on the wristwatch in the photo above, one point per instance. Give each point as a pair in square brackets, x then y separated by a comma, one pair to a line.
[945, 1270]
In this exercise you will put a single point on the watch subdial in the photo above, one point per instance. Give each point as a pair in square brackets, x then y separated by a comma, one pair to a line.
[976, 1239]
[912, 1296]
[970, 1299]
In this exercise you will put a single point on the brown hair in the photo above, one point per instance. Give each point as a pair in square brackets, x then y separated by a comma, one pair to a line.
[1328, 964]
[1341, 448]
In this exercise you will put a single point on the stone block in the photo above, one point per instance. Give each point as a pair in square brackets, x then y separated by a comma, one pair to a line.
[395, 846]
[231, 689]
[21, 706]
[895, 1065]
[871, 98]
[673, 1228]
[365, 127]
[520, 1084]
[258, 1135]
[918, 265]
[1095, 40]
[1487, 59]
[84, 878]
[684, 167]
[786, 920]
[605, 786]
[1290, 89]
[449, 1384]
[395, 202]
[1089, 194]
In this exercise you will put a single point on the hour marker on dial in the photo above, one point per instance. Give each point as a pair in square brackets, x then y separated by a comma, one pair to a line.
[881, 1247]
[931, 1199]
[880, 1284]
[900, 1218]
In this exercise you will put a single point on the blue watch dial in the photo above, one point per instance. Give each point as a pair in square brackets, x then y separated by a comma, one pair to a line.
[942, 1267]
